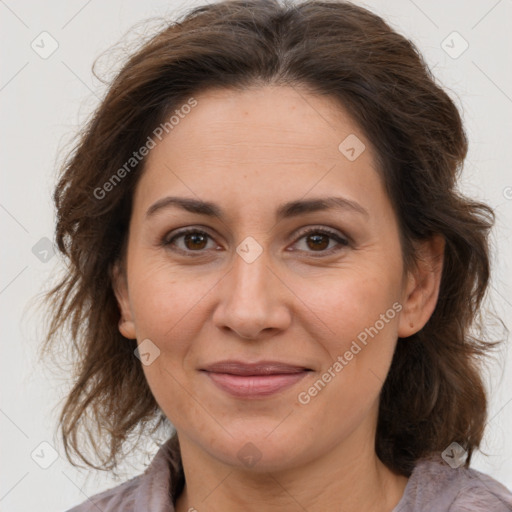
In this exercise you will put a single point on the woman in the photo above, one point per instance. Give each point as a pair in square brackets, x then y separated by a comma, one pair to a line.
[267, 251]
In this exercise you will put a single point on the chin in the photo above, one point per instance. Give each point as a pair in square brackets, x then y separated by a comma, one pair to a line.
[259, 449]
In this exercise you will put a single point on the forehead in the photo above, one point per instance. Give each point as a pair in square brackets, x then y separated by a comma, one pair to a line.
[277, 117]
[276, 139]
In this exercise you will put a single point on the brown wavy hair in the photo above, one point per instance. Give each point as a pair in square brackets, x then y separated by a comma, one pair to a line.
[434, 393]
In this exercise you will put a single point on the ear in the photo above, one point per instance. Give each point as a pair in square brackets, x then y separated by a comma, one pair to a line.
[120, 287]
[422, 285]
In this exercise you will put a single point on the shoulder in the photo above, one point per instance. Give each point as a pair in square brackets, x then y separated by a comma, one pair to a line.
[434, 485]
[150, 491]
[121, 497]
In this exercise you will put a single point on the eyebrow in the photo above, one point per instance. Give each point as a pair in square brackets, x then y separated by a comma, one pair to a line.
[287, 210]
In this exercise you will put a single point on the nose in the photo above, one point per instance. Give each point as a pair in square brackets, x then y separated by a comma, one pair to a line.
[253, 301]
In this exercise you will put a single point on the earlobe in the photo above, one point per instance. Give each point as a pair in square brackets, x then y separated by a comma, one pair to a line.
[421, 290]
[120, 287]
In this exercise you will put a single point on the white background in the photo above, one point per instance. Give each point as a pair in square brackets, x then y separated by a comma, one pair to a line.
[44, 101]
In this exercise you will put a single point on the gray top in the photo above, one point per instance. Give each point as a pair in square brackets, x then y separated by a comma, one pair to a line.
[432, 487]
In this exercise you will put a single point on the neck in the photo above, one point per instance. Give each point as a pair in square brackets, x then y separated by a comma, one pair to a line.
[342, 479]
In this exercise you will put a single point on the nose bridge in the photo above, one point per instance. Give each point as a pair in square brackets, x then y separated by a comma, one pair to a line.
[249, 276]
[250, 302]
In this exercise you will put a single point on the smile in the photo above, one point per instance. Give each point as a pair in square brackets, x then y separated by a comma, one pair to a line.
[254, 380]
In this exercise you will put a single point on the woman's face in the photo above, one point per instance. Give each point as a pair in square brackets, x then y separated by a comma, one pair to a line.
[316, 293]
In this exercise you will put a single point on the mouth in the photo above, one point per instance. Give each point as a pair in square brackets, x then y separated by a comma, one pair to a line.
[254, 380]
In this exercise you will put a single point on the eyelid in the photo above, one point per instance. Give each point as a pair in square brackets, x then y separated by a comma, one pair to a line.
[335, 233]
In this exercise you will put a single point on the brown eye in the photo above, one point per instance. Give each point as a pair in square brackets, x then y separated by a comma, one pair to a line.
[195, 241]
[318, 241]
[191, 240]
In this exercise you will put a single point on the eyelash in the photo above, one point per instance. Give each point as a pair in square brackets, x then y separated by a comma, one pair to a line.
[343, 242]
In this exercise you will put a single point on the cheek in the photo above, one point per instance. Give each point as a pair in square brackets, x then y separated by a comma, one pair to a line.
[164, 300]
[347, 302]
[166, 311]
[361, 314]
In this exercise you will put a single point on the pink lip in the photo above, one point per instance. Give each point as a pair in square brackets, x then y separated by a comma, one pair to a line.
[253, 380]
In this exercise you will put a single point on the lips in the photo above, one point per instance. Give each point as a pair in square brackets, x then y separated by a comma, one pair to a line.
[262, 368]
[254, 380]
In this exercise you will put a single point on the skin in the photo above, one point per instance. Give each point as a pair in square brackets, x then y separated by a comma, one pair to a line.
[249, 152]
